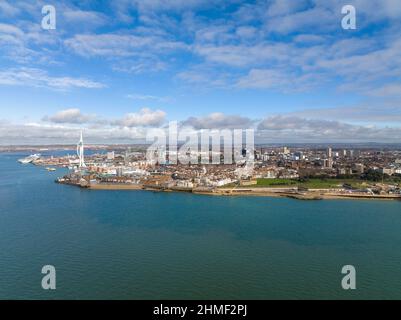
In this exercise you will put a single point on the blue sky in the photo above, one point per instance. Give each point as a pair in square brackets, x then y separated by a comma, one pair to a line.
[118, 68]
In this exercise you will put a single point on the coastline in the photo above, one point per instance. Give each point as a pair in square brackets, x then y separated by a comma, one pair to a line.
[311, 195]
[308, 195]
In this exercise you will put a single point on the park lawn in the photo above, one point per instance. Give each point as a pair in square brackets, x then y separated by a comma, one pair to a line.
[276, 182]
[310, 183]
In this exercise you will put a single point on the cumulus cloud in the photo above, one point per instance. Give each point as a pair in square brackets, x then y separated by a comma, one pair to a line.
[70, 116]
[296, 123]
[297, 129]
[218, 121]
[287, 128]
[40, 133]
[144, 118]
[374, 111]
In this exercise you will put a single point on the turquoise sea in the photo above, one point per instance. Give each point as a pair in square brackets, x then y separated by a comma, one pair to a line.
[145, 245]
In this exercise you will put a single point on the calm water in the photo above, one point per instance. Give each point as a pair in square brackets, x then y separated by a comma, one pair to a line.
[144, 245]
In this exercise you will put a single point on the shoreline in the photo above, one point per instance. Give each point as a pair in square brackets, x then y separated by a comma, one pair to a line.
[311, 195]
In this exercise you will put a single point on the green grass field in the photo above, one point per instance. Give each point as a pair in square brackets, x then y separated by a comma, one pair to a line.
[310, 184]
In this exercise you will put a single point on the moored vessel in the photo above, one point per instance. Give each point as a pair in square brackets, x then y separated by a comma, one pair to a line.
[29, 159]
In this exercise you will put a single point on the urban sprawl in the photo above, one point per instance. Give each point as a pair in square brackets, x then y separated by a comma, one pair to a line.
[302, 173]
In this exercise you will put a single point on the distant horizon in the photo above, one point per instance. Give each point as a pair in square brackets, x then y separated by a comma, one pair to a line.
[283, 144]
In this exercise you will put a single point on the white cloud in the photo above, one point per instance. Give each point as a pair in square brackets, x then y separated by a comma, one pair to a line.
[26, 43]
[246, 32]
[144, 118]
[73, 115]
[259, 78]
[309, 38]
[369, 111]
[218, 120]
[140, 65]
[279, 80]
[148, 97]
[7, 9]
[40, 133]
[296, 129]
[84, 17]
[206, 76]
[235, 47]
[8, 29]
[39, 78]
[173, 5]
[243, 55]
[309, 126]
[392, 89]
[121, 45]
[308, 20]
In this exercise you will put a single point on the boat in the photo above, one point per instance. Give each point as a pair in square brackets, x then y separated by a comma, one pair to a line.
[51, 169]
[29, 159]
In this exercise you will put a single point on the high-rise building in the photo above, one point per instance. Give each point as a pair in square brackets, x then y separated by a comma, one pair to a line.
[328, 163]
[329, 153]
[286, 150]
[359, 167]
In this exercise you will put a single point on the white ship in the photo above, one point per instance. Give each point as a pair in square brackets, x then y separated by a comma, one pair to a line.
[29, 159]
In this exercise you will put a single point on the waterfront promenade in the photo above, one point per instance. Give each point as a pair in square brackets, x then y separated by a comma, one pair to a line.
[313, 194]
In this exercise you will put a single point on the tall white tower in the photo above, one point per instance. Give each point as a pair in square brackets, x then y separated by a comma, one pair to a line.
[80, 152]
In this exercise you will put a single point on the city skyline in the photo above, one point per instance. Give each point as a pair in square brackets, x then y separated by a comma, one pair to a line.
[286, 69]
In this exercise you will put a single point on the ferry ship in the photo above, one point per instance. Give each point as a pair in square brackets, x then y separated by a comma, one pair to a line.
[29, 159]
